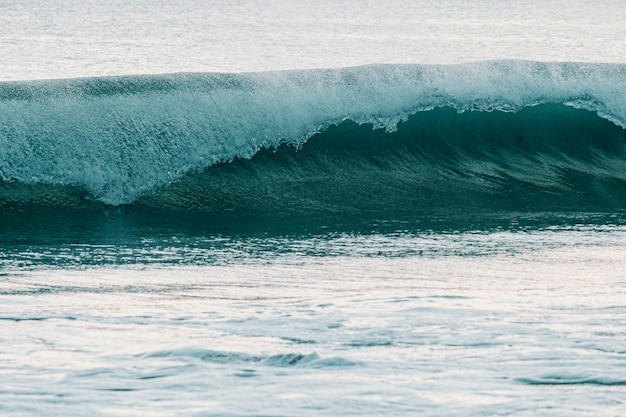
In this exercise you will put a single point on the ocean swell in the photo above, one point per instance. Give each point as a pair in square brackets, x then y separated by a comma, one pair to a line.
[380, 137]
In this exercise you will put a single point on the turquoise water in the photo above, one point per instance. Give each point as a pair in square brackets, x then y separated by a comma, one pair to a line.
[395, 209]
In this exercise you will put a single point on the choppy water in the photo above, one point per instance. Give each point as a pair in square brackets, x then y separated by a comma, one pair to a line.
[478, 323]
[423, 236]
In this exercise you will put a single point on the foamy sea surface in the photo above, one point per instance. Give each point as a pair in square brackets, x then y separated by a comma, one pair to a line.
[475, 323]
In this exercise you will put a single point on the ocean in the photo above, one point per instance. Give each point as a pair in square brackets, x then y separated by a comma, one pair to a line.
[330, 208]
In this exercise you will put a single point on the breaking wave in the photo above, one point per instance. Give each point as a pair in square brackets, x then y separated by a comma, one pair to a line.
[372, 139]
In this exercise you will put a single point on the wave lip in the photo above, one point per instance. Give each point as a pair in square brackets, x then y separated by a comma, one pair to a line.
[123, 140]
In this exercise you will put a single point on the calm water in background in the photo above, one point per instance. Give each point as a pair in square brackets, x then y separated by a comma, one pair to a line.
[520, 315]
[61, 39]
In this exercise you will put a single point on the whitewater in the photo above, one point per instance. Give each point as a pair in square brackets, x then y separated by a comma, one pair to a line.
[312, 208]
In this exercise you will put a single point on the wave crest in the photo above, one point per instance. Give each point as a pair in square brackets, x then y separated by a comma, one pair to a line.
[118, 139]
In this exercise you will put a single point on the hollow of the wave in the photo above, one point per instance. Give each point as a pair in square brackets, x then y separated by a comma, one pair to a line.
[438, 163]
[548, 157]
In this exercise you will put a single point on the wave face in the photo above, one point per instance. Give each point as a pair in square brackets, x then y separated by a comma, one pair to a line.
[375, 139]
